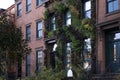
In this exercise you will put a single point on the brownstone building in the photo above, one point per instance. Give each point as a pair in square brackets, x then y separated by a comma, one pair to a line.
[29, 17]
[108, 38]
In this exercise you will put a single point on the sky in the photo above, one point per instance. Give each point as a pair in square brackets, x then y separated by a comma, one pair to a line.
[6, 3]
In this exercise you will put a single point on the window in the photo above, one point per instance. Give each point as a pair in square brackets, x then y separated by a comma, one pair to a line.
[68, 48]
[68, 18]
[87, 54]
[39, 2]
[19, 9]
[28, 5]
[113, 51]
[39, 60]
[68, 53]
[39, 29]
[87, 9]
[28, 33]
[52, 23]
[28, 64]
[112, 5]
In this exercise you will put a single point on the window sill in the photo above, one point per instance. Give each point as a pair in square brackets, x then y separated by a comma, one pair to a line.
[28, 41]
[18, 16]
[28, 11]
[37, 6]
[112, 13]
[39, 38]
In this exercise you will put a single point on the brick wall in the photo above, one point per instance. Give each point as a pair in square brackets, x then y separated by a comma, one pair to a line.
[31, 18]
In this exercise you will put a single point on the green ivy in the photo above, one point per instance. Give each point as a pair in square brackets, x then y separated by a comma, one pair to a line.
[60, 7]
[50, 34]
[76, 33]
[71, 2]
[46, 13]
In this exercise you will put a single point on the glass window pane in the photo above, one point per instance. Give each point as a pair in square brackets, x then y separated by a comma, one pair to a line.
[40, 2]
[53, 20]
[115, 5]
[87, 5]
[28, 33]
[68, 18]
[117, 36]
[28, 1]
[52, 26]
[88, 14]
[68, 22]
[40, 33]
[19, 6]
[68, 15]
[28, 59]
[110, 7]
[39, 25]
[117, 50]
[109, 0]
[19, 11]
[39, 54]
[39, 66]
[28, 29]
[39, 60]
[68, 47]
[28, 7]
[87, 53]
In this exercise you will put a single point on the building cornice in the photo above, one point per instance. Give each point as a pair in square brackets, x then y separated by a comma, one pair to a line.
[109, 23]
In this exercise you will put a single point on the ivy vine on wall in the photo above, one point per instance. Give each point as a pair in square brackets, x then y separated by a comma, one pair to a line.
[79, 30]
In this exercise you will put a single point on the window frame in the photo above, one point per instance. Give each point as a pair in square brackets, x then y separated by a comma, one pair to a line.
[113, 8]
[68, 17]
[87, 54]
[68, 54]
[28, 33]
[52, 23]
[111, 54]
[39, 2]
[19, 9]
[39, 62]
[39, 30]
[84, 9]
[28, 64]
[28, 6]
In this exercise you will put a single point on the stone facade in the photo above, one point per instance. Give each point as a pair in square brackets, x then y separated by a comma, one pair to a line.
[108, 27]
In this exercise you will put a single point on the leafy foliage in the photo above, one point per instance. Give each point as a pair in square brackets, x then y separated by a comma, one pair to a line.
[60, 7]
[12, 45]
[79, 30]
[48, 74]
[46, 13]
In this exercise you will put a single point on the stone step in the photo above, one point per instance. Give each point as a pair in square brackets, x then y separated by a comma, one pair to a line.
[108, 76]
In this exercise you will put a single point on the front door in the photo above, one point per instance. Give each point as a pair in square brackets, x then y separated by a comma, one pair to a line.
[113, 51]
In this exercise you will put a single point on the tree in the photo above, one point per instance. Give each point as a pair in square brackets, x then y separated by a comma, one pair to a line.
[12, 45]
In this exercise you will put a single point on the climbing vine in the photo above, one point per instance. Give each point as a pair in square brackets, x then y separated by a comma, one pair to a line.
[79, 30]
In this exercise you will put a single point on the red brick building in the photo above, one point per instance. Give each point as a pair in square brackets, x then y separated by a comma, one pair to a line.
[29, 15]
[108, 38]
